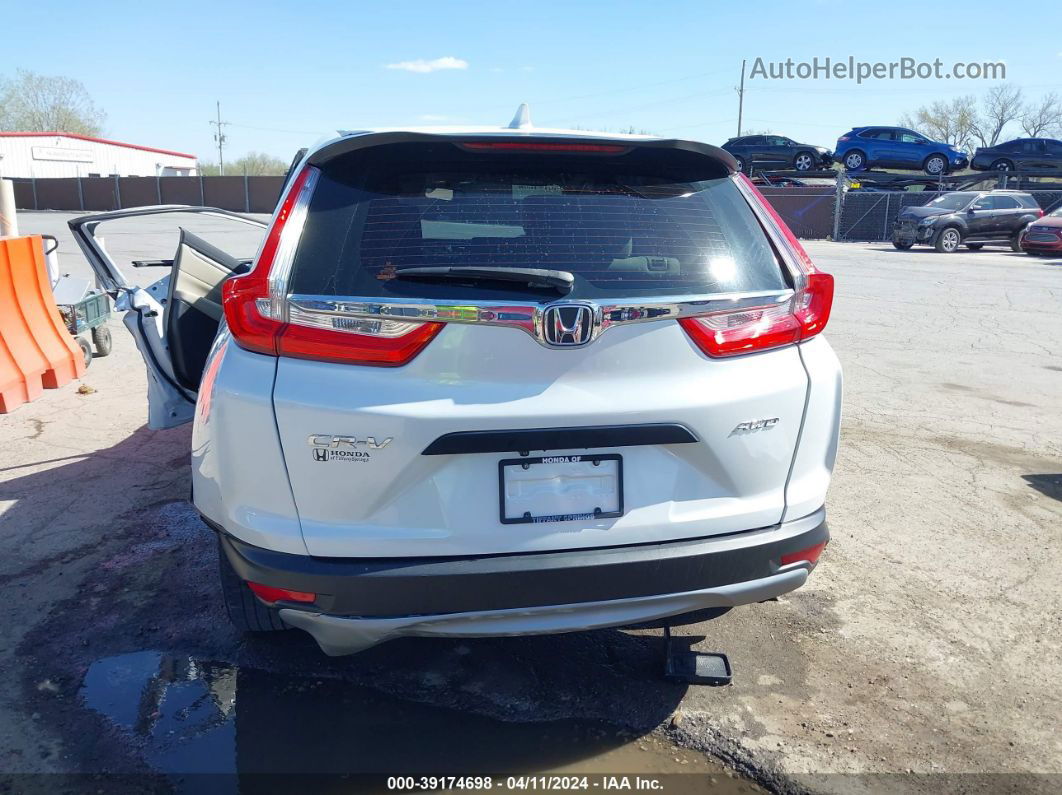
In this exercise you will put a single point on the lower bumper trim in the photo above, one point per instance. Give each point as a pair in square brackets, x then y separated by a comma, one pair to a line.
[337, 635]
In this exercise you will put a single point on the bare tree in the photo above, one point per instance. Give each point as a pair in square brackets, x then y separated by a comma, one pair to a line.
[1001, 105]
[31, 102]
[1043, 118]
[951, 122]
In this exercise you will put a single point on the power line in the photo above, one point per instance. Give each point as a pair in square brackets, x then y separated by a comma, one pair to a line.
[219, 136]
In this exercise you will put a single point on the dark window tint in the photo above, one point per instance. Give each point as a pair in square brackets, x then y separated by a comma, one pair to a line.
[1004, 203]
[651, 222]
[952, 201]
[1009, 146]
[1054, 147]
[754, 140]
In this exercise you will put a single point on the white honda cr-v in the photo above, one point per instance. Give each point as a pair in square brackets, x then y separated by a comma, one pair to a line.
[495, 382]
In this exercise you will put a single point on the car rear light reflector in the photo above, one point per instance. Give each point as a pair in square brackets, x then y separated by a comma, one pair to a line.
[257, 311]
[271, 595]
[809, 555]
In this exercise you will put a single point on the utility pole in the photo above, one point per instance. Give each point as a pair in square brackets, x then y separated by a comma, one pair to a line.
[741, 96]
[219, 136]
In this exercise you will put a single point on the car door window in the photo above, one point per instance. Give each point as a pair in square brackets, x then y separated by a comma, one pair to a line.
[1032, 147]
[911, 138]
[984, 203]
[754, 140]
[1004, 203]
[775, 140]
[1054, 148]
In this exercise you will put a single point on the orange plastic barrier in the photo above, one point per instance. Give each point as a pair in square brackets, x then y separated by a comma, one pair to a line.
[36, 350]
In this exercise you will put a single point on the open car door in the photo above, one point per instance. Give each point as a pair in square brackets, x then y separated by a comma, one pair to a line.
[175, 318]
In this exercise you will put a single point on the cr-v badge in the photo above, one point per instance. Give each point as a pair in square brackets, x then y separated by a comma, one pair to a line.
[326, 447]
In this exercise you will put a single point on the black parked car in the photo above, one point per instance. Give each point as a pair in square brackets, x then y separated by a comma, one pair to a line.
[1021, 154]
[777, 151]
[975, 218]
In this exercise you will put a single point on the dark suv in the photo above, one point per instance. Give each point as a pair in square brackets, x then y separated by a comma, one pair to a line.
[975, 218]
[1021, 154]
[777, 151]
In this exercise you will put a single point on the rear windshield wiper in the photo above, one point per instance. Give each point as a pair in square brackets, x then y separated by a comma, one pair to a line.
[532, 277]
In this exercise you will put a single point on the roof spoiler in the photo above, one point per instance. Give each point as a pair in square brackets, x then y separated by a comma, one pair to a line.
[351, 143]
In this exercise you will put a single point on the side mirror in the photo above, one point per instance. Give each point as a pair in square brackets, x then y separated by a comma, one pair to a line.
[970, 210]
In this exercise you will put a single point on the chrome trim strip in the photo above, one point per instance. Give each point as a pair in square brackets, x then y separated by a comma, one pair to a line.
[289, 242]
[527, 315]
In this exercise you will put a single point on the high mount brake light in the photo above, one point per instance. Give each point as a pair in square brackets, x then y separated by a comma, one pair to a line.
[531, 146]
[259, 318]
[732, 332]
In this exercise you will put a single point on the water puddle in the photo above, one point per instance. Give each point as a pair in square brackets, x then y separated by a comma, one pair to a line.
[189, 716]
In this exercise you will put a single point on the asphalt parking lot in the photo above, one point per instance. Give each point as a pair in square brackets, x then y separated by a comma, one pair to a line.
[928, 640]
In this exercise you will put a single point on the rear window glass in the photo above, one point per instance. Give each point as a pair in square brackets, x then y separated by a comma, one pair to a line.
[650, 222]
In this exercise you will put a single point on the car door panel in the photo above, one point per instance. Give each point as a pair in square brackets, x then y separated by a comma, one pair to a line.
[174, 320]
[193, 311]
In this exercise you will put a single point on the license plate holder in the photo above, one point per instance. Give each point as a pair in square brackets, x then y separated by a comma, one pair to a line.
[563, 488]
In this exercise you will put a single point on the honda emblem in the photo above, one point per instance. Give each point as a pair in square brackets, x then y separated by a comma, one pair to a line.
[568, 325]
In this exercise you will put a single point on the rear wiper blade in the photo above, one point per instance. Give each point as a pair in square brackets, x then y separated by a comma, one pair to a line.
[534, 277]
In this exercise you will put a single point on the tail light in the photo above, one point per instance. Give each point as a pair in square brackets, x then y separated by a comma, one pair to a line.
[843, 138]
[256, 304]
[748, 329]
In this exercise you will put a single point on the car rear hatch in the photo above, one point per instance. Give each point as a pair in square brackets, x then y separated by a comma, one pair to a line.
[481, 404]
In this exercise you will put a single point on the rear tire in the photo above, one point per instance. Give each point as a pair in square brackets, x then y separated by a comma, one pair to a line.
[86, 350]
[101, 338]
[1002, 165]
[246, 613]
[975, 246]
[948, 240]
[903, 246]
[740, 163]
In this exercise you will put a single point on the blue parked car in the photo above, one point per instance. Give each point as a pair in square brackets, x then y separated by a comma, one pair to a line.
[897, 147]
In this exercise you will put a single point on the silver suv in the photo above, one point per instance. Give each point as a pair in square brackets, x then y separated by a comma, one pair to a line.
[497, 382]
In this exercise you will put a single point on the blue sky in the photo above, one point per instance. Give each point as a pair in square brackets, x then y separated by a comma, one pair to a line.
[288, 73]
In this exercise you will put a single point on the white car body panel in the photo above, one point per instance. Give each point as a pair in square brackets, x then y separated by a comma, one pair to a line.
[239, 481]
[168, 405]
[817, 451]
[408, 504]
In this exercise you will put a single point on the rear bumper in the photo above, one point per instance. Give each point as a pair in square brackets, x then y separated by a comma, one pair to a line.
[361, 602]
